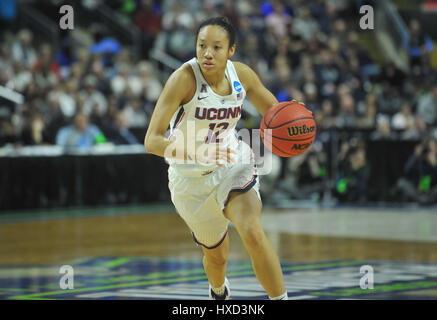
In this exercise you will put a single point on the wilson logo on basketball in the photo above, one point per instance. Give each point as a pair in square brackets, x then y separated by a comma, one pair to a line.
[297, 130]
[300, 146]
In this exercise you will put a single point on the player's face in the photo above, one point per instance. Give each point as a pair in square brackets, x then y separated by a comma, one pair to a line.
[212, 48]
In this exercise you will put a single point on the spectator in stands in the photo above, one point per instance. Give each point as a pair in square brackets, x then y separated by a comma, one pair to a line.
[279, 20]
[23, 51]
[103, 84]
[135, 114]
[325, 117]
[104, 46]
[148, 20]
[7, 130]
[126, 83]
[95, 102]
[311, 174]
[327, 70]
[347, 117]
[389, 99]
[21, 78]
[383, 129]
[354, 173]
[35, 132]
[319, 12]
[47, 66]
[6, 62]
[178, 24]
[404, 118]
[305, 25]
[119, 133]
[54, 117]
[419, 183]
[416, 130]
[81, 134]
[427, 106]
[151, 87]
[66, 56]
[367, 120]
[340, 31]
[420, 46]
[392, 76]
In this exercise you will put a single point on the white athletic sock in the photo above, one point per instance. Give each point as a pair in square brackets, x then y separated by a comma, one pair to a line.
[283, 296]
[220, 290]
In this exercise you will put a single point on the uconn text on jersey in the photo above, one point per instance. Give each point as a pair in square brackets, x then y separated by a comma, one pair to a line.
[219, 114]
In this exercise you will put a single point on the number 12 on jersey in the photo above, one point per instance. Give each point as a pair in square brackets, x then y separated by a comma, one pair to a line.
[213, 135]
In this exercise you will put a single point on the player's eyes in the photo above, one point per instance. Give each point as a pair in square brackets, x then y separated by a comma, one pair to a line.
[217, 47]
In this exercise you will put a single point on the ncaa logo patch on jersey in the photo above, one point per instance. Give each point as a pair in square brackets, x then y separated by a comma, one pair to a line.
[237, 86]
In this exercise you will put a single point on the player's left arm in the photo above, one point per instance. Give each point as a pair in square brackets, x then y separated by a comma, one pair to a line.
[257, 93]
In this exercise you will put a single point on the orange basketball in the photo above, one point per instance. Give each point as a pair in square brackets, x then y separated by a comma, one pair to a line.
[293, 129]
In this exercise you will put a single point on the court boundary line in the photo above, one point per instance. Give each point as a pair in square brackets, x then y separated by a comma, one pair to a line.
[324, 265]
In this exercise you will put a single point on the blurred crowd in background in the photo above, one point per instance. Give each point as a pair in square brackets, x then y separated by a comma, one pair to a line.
[305, 50]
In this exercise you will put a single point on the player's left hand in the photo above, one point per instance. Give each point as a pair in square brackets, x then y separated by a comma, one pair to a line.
[302, 104]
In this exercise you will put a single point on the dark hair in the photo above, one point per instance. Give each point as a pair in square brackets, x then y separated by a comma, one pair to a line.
[222, 22]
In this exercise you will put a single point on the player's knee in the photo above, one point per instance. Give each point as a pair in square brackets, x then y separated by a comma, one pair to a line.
[252, 235]
[217, 259]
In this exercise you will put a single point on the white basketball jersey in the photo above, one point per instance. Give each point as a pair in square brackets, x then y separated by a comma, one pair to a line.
[208, 117]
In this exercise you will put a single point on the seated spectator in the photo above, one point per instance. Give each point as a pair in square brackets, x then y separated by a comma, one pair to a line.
[125, 82]
[54, 117]
[419, 183]
[148, 20]
[305, 25]
[81, 134]
[354, 173]
[415, 130]
[150, 86]
[65, 57]
[325, 117]
[367, 120]
[46, 64]
[311, 174]
[6, 68]
[404, 118]
[135, 114]
[35, 133]
[392, 76]
[347, 117]
[7, 131]
[94, 102]
[383, 129]
[389, 99]
[419, 47]
[427, 106]
[278, 20]
[119, 133]
[23, 51]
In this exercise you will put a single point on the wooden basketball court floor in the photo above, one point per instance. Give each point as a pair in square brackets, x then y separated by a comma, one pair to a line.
[148, 253]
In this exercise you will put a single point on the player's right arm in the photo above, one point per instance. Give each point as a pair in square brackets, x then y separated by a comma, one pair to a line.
[179, 89]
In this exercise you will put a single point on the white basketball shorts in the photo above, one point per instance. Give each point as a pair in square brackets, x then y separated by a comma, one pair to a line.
[201, 196]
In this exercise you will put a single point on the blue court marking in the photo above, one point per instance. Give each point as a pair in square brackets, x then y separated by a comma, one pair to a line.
[171, 279]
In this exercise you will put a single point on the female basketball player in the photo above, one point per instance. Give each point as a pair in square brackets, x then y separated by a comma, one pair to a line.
[212, 176]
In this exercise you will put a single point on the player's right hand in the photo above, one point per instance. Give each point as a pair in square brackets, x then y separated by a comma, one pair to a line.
[214, 154]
